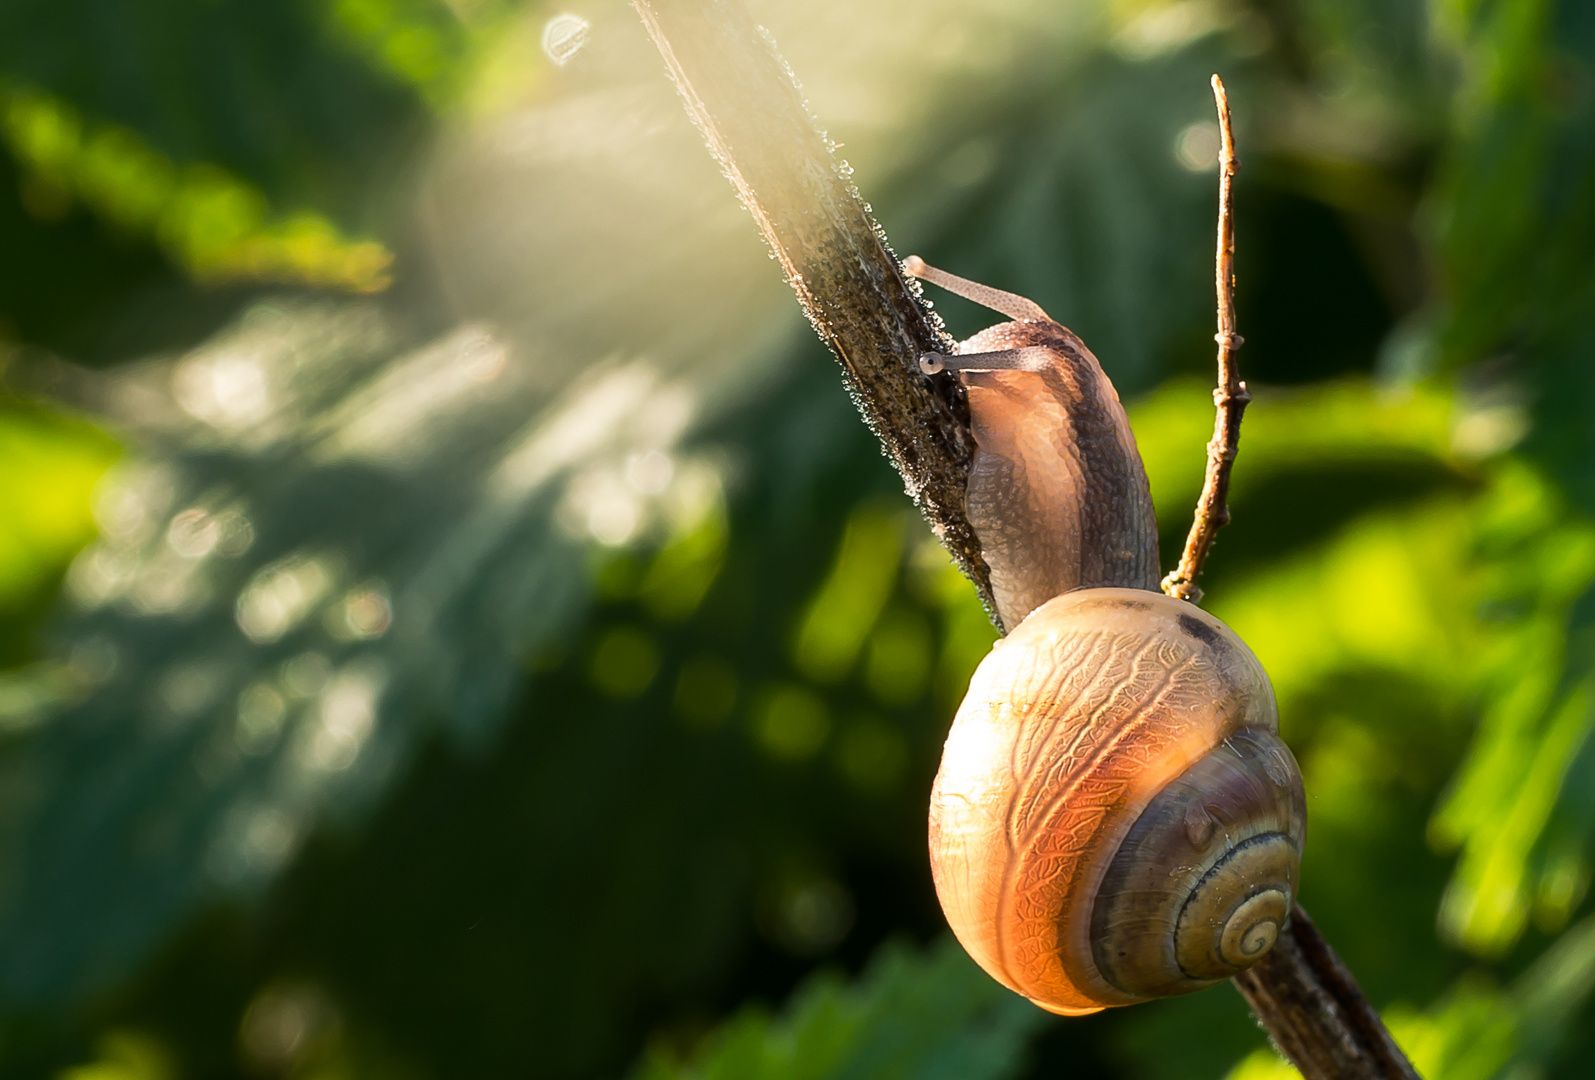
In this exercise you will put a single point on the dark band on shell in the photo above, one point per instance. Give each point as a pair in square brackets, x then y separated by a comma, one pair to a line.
[1203, 882]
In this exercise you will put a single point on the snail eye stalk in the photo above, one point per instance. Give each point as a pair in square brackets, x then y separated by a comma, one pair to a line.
[1004, 303]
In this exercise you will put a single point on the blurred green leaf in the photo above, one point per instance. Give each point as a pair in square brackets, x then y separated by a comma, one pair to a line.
[264, 90]
[1512, 220]
[125, 1055]
[841, 616]
[49, 465]
[419, 41]
[214, 224]
[1350, 422]
[925, 1015]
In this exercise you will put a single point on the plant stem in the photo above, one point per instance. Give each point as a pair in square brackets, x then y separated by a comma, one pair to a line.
[742, 96]
[1230, 398]
[744, 99]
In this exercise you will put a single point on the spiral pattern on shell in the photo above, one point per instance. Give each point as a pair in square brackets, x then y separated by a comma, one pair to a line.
[1115, 818]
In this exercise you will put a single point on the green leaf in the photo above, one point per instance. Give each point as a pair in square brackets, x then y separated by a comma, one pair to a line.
[914, 1015]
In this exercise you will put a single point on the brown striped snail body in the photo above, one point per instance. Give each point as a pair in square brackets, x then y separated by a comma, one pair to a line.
[1115, 818]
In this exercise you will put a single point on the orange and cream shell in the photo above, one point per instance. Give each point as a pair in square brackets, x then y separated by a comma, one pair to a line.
[1115, 818]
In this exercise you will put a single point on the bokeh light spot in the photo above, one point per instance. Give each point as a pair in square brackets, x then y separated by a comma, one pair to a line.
[188, 688]
[280, 595]
[871, 755]
[304, 675]
[193, 534]
[362, 615]
[624, 663]
[898, 659]
[261, 711]
[282, 1024]
[1196, 146]
[791, 722]
[346, 713]
[807, 915]
[706, 690]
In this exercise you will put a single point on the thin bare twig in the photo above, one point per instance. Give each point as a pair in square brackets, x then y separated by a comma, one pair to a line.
[1302, 994]
[1230, 398]
[741, 95]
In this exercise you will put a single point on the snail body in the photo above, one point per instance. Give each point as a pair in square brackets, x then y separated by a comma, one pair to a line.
[1057, 493]
[1115, 818]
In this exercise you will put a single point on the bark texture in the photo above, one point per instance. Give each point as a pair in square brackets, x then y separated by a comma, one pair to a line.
[747, 103]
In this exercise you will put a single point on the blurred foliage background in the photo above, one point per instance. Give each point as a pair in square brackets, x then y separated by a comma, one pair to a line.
[454, 624]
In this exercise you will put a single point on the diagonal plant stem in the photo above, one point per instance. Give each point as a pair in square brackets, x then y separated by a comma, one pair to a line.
[1230, 398]
[744, 99]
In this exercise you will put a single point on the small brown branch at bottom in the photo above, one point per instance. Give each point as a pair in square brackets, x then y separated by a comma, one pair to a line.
[1230, 398]
[1315, 1013]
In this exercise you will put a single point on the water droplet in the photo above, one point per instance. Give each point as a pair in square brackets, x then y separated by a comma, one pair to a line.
[564, 37]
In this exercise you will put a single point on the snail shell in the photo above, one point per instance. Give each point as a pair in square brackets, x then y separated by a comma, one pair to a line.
[1115, 818]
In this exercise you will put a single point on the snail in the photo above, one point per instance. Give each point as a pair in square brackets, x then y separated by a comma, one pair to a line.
[1115, 818]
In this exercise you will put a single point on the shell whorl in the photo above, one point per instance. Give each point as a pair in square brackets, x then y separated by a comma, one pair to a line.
[1204, 880]
[1115, 818]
